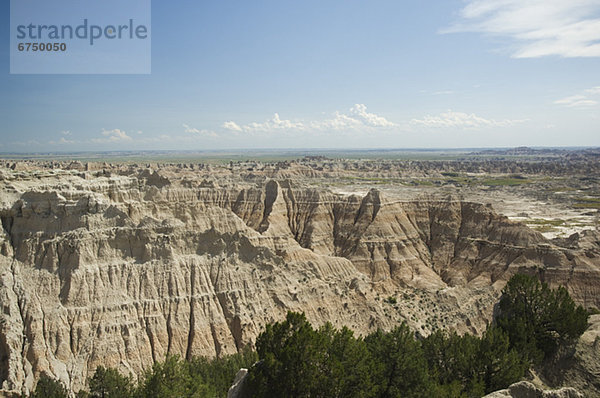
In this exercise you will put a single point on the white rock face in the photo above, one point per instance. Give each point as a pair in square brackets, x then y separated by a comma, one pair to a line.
[580, 369]
[116, 271]
[120, 268]
[237, 386]
[524, 389]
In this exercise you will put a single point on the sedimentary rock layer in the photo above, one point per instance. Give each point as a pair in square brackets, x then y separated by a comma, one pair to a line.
[120, 270]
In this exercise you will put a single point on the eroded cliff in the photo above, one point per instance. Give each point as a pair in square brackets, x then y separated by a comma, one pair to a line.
[120, 269]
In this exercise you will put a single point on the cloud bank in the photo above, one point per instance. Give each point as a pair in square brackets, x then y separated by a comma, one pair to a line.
[536, 28]
[356, 118]
[461, 120]
[588, 98]
[193, 130]
[115, 135]
[357, 124]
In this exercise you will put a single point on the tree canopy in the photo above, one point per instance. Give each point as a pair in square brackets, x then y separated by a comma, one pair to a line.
[539, 320]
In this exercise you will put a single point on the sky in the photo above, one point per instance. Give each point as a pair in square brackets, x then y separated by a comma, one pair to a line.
[327, 74]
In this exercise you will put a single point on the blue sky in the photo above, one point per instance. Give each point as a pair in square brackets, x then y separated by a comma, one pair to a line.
[328, 74]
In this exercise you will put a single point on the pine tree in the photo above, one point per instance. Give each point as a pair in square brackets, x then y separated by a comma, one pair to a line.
[400, 366]
[109, 383]
[499, 364]
[48, 387]
[291, 354]
[537, 319]
[171, 379]
[348, 365]
[452, 361]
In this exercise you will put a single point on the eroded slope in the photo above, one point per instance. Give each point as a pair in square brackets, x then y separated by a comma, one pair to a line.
[120, 270]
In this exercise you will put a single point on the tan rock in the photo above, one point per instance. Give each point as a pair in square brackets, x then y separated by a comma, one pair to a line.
[122, 267]
[524, 389]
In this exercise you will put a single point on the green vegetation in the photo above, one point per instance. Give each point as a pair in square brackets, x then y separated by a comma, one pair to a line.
[398, 365]
[262, 155]
[561, 189]
[538, 320]
[109, 383]
[513, 180]
[587, 203]
[426, 183]
[49, 388]
[545, 222]
[370, 180]
[299, 361]
[473, 181]
[593, 311]
[545, 225]
[447, 178]
[293, 359]
[172, 378]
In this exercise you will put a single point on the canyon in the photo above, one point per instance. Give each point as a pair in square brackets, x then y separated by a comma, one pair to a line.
[122, 264]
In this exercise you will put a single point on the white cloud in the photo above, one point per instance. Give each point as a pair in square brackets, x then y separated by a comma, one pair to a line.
[270, 125]
[63, 140]
[115, 135]
[370, 119]
[275, 123]
[576, 101]
[340, 121]
[194, 130]
[357, 118]
[189, 129]
[586, 99]
[593, 90]
[231, 125]
[451, 119]
[537, 28]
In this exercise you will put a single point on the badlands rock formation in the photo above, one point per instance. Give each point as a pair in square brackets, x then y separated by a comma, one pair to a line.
[120, 268]
[525, 389]
[237, 388]
[580, 368]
